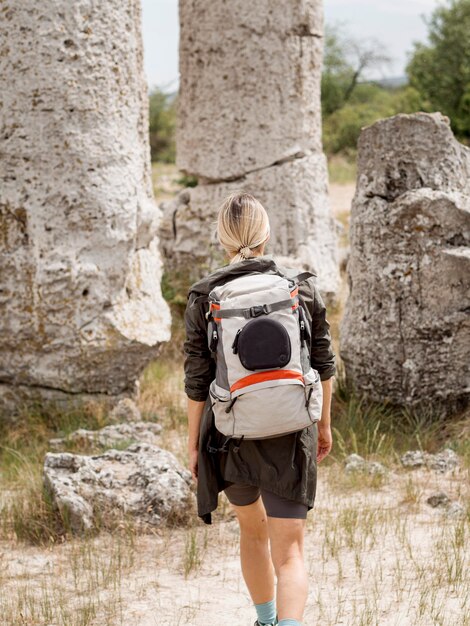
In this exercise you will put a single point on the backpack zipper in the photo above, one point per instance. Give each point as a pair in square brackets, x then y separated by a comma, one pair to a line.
[235, 341]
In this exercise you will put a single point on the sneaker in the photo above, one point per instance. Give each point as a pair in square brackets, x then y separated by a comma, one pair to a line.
[258, 624]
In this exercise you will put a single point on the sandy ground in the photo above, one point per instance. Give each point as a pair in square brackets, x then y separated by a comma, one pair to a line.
[375, 555]
[165, 179]
[340, 198]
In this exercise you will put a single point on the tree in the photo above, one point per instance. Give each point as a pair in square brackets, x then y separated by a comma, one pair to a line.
[368, 104]
[440, 70]
[349, 100]
[162, 122]
[345, 62]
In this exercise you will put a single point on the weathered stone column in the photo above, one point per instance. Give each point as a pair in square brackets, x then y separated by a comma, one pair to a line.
[81, 310]
[250, 118]
[405, 335]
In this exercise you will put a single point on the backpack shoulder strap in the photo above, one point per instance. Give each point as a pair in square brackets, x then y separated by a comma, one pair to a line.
[299, 278]
[296, 276]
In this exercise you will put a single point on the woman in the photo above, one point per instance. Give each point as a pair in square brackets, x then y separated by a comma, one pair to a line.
[270, 483]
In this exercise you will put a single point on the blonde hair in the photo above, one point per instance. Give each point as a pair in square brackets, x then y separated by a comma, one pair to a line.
[242, 225]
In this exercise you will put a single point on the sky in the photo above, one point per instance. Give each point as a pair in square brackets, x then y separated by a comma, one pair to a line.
[396, 23]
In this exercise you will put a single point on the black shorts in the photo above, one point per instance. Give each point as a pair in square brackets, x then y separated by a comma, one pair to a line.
[276, 506]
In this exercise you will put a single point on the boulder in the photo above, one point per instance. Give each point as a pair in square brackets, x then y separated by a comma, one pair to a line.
[143, 482]
[81, 310]
[405, 334]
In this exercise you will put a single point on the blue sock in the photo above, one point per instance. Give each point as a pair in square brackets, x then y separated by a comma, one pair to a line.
[289, 622]
[266, 612]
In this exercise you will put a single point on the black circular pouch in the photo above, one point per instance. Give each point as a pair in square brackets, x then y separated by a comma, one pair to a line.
[264, 344]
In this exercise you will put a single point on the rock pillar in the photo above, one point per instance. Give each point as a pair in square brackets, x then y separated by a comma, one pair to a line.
[405, 336]
[81, 311]
[250, 118]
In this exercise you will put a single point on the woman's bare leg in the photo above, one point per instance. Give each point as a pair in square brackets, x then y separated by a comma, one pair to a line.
[287, 544]
[256, 564]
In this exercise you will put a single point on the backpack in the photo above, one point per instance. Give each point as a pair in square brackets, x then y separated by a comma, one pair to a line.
[259, 335]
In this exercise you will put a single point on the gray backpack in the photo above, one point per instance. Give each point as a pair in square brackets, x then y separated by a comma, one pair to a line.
[259, 335]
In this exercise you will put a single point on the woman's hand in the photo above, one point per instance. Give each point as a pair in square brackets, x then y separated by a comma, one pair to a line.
[325, 441]
[193, 454]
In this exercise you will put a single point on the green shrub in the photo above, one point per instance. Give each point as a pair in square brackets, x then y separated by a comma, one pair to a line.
[370, 103]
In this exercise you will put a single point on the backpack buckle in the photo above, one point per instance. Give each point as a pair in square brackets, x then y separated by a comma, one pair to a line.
[259, 309]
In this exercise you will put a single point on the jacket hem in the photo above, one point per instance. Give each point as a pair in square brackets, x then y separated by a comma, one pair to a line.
[197, 397]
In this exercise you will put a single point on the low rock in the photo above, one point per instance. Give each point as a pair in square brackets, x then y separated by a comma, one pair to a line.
[444, 460]
[143, 481]
[440, 499]
[374, 467]
[413, 458]
[125, 410]
[455, 510]
[111, 435]
[441, 461]
[354, 462]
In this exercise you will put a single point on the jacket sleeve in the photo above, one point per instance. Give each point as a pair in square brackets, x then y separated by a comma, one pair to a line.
[199, 366]
[322, 357]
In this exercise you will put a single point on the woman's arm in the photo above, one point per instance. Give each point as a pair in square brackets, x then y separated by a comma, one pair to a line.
[323, 359]
[199, 366]
[199, 369]
[325, 439]
[195, 410]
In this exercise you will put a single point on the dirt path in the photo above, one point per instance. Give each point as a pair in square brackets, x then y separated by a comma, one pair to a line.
[375, 555]
[341, 197]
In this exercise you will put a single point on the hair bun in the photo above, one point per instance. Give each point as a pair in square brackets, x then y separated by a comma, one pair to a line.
[246, 251]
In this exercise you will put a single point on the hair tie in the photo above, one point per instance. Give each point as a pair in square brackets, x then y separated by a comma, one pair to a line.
[245, 251]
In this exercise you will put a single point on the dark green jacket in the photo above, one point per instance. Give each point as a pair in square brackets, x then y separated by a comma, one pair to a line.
[285, 465]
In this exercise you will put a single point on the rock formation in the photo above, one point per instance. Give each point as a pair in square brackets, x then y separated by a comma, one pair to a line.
[405, 335]
[143, 481]
[81, 310]
[249, 118]
[441, 461]
[111, 435]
